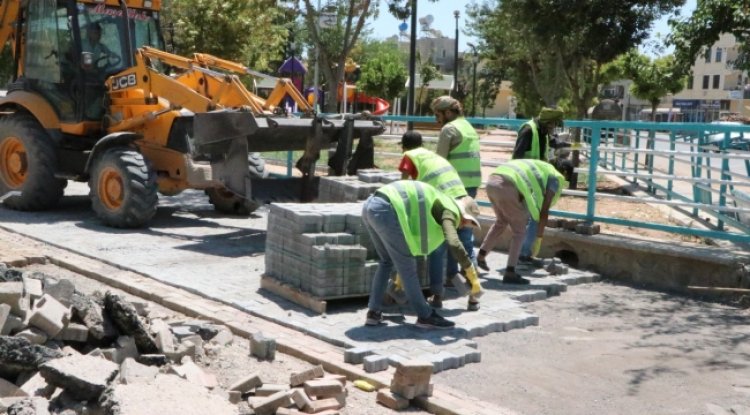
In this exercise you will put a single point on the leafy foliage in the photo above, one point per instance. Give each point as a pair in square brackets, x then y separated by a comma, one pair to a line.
[239, 30]
[335, 44]
[557, 48]
[383, 71]
[652, 79]
[710, 19]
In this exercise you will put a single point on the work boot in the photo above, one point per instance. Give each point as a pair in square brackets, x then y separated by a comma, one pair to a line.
[436, 301]
[511, 277]
[473, 304]
[435, 321]
[531, 262]
[374, 318]
[482, 263]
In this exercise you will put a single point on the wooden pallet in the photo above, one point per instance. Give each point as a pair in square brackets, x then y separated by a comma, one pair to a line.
[293, 294]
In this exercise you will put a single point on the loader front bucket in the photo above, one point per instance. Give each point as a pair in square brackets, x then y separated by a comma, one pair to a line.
[225, 137]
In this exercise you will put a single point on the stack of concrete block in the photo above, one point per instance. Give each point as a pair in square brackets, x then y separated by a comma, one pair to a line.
[321, 248]
[341, 189]
[411, 380]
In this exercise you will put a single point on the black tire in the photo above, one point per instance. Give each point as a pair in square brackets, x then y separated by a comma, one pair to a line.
[28, 162]
[123, 189]
[225, 201]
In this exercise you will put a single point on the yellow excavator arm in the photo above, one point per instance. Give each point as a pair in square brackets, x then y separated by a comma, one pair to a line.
[8, 14]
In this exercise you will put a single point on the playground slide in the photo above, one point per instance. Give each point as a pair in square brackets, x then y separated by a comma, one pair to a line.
[380, 105]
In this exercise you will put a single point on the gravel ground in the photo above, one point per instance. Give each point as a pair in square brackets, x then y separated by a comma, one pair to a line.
[610, 349]
[233, 362]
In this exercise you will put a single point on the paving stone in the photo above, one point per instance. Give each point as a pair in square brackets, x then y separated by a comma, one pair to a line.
[8, 390]
[74, 332]
[246, 384]
[36, 385]
[268, 389]
[11, 294]
[392, 400]
[375, 363]
[61, 290]
[269, 404]
[33, 335]
[32, 288]
[356, 355]
[134, 372]
[49, 315]
[83, 377]
[321, 405]
[323, 388]
[191, 372]
[262, 347]
[301, 400]
[296, 379]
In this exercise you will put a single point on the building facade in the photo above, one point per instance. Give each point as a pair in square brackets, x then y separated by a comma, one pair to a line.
[715, 88]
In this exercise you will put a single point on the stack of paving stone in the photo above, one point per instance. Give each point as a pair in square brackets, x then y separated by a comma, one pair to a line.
[323, 248]
[354, 188]
[309, 391]
[411, 380]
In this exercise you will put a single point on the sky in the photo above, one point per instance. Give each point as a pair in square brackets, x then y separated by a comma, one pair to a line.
[442, 12]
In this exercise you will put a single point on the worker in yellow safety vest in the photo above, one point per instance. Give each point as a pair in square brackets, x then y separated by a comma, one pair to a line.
[421, 164]
[459, 144]
[406, 221]
[519, 190]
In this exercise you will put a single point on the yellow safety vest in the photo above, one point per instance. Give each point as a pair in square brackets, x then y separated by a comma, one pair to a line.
[530, 178]
[412, 201]
[534, 152]
[465, 157]
[437, 172]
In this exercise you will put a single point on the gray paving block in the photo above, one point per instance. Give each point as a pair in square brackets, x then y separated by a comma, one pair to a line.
[375, 363]
[356, 355]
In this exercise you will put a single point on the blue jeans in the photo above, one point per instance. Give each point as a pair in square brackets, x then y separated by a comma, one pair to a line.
[436, 268]
[466, 236]
[382, 224]
[532, 225]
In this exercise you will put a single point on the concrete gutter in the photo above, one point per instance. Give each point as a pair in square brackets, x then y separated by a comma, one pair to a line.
[671, 266]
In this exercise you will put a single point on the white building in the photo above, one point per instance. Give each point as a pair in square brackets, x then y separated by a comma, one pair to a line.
[715, 87]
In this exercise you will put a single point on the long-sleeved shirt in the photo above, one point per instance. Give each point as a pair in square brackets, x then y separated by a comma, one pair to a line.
[449, 138]
[525, 137]
[448, 221]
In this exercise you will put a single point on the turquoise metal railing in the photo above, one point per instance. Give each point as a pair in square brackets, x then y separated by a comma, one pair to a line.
[674, 161]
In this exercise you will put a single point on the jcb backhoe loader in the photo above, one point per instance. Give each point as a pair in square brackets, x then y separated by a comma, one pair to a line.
[90, 100]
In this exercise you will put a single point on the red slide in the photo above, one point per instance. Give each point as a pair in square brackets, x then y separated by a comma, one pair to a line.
[381, 106]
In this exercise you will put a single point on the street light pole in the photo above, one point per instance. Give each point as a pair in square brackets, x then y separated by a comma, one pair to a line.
[456, 14]
[475, 59]
[412, 63]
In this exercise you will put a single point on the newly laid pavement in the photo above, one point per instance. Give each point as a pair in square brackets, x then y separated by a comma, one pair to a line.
[189, 246]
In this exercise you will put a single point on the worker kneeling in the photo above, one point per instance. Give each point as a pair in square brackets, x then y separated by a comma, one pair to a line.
[407, 220]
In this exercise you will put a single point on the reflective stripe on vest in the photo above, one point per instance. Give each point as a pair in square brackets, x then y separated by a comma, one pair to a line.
[535, 152]
[465, 157]
[412, 201]
[437, 172]
[530, 178]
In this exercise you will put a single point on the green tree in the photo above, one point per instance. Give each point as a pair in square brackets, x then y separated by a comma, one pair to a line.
[427, 73]
[652, 79]
[238, 30]
[557, 48]
[337, 43]
[710, 19]
[383, 71]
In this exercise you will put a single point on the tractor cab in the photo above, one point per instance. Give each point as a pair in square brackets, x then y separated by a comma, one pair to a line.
[72, 47]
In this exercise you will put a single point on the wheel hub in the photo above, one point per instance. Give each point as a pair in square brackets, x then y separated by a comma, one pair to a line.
[14, 167]
[111, 188]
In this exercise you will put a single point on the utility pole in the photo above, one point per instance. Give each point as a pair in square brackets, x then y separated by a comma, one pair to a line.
[412, 63]
[474, 60]
[316, 73]
[456, 14]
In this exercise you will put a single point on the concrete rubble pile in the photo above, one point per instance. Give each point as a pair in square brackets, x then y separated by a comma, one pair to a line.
[64, 352]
